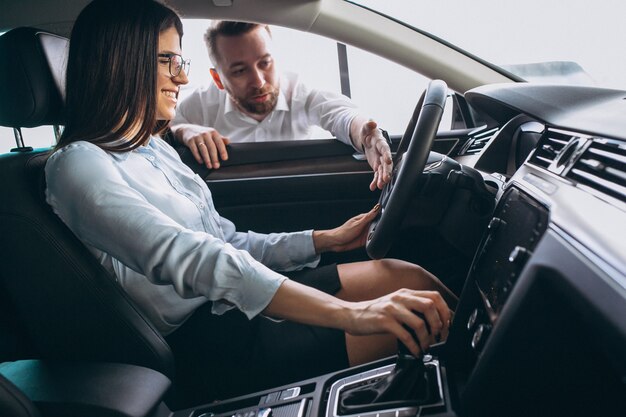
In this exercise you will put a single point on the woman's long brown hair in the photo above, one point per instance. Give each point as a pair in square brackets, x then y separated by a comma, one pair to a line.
[111, 73]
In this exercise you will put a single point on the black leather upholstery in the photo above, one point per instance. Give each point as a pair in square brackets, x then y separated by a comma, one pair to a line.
[82, 389]
[13, 402]
[66, 303]
[30, 92]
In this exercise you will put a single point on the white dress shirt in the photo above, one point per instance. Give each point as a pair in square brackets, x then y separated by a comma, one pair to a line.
[152, 224]
[298, 109]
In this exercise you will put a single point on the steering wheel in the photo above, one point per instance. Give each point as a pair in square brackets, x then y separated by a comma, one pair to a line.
[409, 164]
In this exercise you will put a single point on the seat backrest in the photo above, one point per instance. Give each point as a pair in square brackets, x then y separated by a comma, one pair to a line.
[67, 304]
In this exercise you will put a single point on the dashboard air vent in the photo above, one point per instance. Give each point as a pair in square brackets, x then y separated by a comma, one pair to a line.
[479, 141]
[549, 146]
[602, 167]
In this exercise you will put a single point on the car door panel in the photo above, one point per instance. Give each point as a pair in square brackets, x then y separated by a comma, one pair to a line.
[285, 186]
[295, 185]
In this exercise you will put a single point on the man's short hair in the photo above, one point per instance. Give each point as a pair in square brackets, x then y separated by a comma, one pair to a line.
[227, 28]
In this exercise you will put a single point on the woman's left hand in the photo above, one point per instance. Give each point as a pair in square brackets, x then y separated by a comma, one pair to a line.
[350, 235]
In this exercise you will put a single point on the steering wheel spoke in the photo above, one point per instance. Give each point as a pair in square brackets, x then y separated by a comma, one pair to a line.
[417, 141]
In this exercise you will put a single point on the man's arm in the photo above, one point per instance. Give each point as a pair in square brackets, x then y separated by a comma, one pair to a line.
[206, 144]
[339, 115]
[366, 137]
[190, 126]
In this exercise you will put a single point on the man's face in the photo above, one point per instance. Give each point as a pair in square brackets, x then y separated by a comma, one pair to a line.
[247, 71]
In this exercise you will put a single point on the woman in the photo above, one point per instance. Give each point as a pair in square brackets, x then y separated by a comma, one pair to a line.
[152, 223]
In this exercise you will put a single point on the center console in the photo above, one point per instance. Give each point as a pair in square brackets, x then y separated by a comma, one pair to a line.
[516, 227]
[322, 396]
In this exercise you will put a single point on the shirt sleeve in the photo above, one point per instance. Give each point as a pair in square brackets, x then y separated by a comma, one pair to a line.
[191, 109]
[278, 251]
[331, 111]
[86, 190]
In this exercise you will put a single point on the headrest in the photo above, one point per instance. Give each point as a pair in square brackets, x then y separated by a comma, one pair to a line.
[32, 78]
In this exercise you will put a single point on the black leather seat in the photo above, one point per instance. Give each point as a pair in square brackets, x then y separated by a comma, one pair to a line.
[30, 388]
[67, 306]
[13, 402]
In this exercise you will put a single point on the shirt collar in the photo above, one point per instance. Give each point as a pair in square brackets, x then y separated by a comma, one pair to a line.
[281, 104]
[229, 106]
[147, 150]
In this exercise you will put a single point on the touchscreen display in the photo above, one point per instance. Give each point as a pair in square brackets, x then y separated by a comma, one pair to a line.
[518, 224]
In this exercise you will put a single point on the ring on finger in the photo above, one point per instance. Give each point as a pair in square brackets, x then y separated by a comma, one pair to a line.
[201, 144]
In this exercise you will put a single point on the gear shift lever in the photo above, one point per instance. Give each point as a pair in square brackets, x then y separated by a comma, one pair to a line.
[406, 385]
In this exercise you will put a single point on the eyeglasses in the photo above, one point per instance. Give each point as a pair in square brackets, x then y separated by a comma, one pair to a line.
[176, 64]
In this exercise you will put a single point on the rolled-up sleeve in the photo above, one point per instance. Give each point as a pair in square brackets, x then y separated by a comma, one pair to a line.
[278, 251]
[86, 190]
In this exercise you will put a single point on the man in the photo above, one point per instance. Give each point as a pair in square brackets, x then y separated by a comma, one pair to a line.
[250, 102]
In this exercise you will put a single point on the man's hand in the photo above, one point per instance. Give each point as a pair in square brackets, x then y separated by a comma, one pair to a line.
[350, 235]
[370, 139]
[206, 144]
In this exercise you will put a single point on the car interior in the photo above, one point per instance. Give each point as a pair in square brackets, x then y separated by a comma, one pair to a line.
[517, 211]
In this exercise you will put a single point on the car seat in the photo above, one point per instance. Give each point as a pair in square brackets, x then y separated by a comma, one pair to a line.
[13, 402]
[32, 388]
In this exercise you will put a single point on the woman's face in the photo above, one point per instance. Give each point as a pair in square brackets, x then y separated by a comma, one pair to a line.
[168, 85]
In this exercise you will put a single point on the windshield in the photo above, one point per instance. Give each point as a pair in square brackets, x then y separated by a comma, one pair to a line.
[569, 42]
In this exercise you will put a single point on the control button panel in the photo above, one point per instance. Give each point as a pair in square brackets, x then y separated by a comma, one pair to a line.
[277, 396]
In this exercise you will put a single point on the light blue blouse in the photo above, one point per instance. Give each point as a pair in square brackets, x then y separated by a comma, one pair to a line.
[151, 223]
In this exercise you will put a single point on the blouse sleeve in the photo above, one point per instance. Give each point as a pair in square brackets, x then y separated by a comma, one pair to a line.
[86, 190]
[278, 251]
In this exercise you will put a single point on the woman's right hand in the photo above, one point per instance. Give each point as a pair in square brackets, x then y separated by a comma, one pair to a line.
[425, 312]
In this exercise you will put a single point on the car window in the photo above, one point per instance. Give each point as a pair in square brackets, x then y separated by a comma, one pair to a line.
[386, 91]
[37, 137]
[574, 42]
[383, 90]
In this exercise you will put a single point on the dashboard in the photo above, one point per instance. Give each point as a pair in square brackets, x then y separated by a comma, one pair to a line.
[544, 307]
[577, 167]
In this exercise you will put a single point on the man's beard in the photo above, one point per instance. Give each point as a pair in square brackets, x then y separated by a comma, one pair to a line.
[249, 105]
